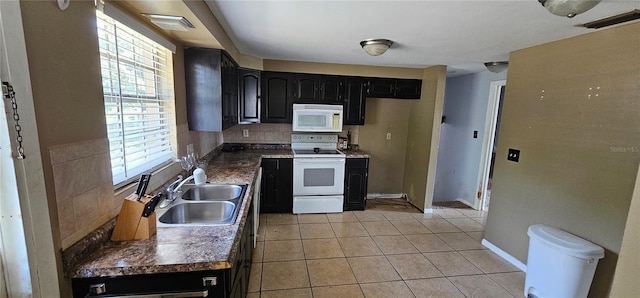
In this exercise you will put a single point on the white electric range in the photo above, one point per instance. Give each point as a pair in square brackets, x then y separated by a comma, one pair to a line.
[318, 173]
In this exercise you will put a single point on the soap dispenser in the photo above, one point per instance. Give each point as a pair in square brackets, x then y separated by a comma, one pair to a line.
[199, 177]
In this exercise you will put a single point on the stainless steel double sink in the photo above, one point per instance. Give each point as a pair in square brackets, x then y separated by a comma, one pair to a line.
[204, 205]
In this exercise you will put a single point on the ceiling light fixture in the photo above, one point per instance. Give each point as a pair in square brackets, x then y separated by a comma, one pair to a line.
[175, 23]
[568, 8]
[497, 67]
[376, 47]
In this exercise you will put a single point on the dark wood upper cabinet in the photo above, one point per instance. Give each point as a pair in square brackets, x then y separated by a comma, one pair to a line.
[229, 92]
[408, 89]
[354, 101]
[306, 88]
[394, 88]
[382, 88]
[318, 89]
[280, 90]
[331, 89]
[276, 103]
[212, 92]
[249, 95]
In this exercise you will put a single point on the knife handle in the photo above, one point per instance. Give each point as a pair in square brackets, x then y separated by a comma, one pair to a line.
[144, 182]
[151, 205]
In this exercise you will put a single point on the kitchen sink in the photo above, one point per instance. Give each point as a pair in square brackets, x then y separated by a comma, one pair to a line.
[205, 213]
[213, 192]
[204, 205]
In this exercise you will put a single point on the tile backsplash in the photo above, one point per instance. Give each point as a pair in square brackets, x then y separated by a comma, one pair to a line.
[261, 133]
[272, 133]
[83, 187]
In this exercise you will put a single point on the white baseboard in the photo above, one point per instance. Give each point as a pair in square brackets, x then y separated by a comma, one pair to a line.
[428, 210]
[503, 254]
[384, 195]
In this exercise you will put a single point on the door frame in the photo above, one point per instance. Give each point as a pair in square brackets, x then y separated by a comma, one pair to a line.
[487, 141]
[42, 254]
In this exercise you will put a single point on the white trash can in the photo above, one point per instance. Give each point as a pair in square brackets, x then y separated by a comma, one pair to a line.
[559, 264]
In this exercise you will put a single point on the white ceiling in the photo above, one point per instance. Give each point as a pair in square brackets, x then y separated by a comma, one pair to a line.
[460, 34]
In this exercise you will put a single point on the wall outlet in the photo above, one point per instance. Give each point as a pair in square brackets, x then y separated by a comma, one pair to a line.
[189, 148]
[514, 155]
[245, 133]
[388, 136]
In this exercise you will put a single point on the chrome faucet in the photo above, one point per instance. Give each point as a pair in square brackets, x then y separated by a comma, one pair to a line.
[172, 192]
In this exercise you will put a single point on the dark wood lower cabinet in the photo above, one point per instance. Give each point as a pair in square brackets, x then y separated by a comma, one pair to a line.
[242, 266]
[277, 185]
[355, 183]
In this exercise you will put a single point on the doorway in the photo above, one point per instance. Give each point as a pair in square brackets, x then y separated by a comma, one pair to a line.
[490, 142]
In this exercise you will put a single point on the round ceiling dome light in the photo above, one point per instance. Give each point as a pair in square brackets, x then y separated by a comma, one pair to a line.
[568, 8]
[497, 67]
[376, 47]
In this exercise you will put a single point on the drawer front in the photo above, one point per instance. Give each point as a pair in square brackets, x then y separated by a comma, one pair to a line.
[357, 163]
[146, 284]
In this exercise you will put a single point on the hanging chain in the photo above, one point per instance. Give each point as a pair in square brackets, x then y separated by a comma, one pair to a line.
[8, 92]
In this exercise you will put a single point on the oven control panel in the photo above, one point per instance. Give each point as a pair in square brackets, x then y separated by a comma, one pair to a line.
[313, 138]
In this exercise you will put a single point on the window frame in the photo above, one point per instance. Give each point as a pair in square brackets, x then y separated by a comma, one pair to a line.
[128, 102]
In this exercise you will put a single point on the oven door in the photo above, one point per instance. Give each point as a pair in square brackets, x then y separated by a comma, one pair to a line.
[318, 176]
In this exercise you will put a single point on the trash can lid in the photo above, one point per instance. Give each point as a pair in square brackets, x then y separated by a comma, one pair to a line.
[566, 243]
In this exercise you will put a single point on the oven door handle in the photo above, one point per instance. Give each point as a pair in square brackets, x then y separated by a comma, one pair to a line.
[317, 160]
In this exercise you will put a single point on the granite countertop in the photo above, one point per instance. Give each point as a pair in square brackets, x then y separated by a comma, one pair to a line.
[356, 154]
[182, 249]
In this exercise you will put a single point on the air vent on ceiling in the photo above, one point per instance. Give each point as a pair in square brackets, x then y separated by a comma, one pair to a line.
[614, 20]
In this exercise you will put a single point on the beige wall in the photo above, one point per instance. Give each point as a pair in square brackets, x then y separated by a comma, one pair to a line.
[386, 166]
[625, 281]
[66, 85]
[571, 107]
[423, 136]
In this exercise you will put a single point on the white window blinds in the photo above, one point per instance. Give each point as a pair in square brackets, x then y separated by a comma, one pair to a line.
[137, 82]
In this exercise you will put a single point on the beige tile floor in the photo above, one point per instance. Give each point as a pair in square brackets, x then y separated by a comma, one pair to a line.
[379, 253]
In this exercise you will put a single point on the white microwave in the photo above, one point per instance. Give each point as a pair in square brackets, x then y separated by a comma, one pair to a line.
[317, 118]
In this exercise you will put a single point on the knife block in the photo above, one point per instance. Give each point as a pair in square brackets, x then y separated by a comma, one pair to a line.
[131, 225]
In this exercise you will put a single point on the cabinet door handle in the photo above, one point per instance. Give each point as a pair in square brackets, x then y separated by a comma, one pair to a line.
[209, 281]
[97, 289]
